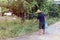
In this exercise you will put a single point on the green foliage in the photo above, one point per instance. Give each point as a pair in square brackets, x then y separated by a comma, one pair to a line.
[54, 11]
[52, 20]
[45, 6]
[18, 5]
[29, 6]
[3, 1]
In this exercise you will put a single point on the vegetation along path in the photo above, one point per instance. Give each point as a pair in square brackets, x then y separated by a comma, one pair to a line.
[52, 33]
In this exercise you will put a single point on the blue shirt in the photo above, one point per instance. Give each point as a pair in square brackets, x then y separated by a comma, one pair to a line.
[41, 18]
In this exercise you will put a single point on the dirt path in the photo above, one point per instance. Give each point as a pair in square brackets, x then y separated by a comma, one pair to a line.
[52, 33]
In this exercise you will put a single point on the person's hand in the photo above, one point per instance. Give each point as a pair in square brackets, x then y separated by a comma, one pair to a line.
[33, 23]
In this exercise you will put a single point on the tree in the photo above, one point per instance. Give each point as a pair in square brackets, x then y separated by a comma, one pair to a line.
[19, 7]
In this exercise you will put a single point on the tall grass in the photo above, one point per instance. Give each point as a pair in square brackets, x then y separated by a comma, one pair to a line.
[15, 28]
[53, 20]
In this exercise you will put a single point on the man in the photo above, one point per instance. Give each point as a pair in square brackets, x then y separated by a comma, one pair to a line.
[41, 20]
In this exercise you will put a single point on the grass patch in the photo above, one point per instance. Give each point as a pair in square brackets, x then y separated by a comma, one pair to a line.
[15, 28]
[53, 20]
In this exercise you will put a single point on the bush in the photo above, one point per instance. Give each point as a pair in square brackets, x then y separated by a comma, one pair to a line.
[54, 11]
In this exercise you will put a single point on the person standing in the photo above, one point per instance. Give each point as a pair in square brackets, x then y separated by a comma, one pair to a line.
[41, 19]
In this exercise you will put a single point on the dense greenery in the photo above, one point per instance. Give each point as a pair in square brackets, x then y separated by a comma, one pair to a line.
[13, 28]
[54, 11]
[30, 7]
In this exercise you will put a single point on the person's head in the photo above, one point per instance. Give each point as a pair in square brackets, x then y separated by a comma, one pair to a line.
[38, 11]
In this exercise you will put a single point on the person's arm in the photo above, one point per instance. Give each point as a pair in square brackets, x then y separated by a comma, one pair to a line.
[36, 20]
